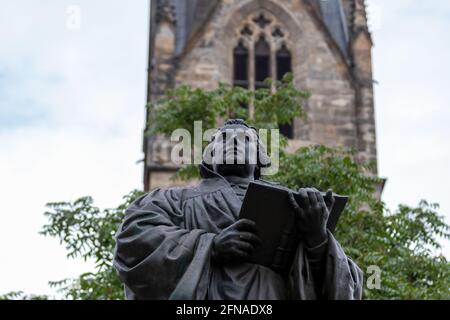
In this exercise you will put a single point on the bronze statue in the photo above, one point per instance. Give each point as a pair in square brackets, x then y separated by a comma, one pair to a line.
[189, 243]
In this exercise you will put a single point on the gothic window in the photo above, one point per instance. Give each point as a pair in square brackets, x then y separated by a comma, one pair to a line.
[262, 62]
[284, 65]
[261, 53]
[241, 66]
[284, 62]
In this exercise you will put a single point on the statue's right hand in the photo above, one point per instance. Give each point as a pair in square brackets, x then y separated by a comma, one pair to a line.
[236, 242]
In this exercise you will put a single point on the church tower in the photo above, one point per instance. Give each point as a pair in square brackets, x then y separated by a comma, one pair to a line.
[325, 44]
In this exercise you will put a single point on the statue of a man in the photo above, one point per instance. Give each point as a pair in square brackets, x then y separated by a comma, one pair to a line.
[189, 243]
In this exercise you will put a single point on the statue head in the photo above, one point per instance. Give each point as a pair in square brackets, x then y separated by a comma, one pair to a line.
[236, 150]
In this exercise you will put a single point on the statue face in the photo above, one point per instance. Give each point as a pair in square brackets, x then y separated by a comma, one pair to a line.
[235, 150]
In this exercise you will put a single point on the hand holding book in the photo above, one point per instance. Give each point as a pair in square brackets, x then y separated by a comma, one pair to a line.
[312, 214]
[236, 242]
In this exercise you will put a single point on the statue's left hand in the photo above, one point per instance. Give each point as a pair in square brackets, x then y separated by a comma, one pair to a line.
[312, 215]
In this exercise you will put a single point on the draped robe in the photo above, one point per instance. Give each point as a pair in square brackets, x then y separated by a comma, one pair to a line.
[163, 251]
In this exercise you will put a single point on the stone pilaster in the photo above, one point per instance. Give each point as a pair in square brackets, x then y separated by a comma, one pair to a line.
[361, 46]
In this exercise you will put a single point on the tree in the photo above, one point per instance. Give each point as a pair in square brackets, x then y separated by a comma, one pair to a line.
[402, 244]
[88, 232]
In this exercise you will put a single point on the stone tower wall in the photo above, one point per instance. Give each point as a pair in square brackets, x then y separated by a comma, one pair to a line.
[340, 111]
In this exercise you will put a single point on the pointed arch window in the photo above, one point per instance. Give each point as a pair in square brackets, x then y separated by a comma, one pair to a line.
[241, 78]
[261, 53]
[284, 62]
[284, 65]
[262, 62]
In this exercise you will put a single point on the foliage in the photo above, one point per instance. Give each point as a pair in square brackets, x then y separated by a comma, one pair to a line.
[403, 243]
[87, 232]
[20, 295]
[184, 105]
[275, 105]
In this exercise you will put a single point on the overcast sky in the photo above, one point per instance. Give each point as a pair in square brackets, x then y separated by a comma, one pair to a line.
[72, 114]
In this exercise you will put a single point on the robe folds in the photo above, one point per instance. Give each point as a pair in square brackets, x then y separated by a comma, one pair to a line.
[163, 251]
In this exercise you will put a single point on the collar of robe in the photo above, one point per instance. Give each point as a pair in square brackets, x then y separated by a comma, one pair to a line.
[212, 181]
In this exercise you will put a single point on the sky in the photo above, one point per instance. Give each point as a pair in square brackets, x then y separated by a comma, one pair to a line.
[72, 97]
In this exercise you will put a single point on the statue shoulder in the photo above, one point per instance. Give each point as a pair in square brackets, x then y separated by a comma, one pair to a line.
[179, 193]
